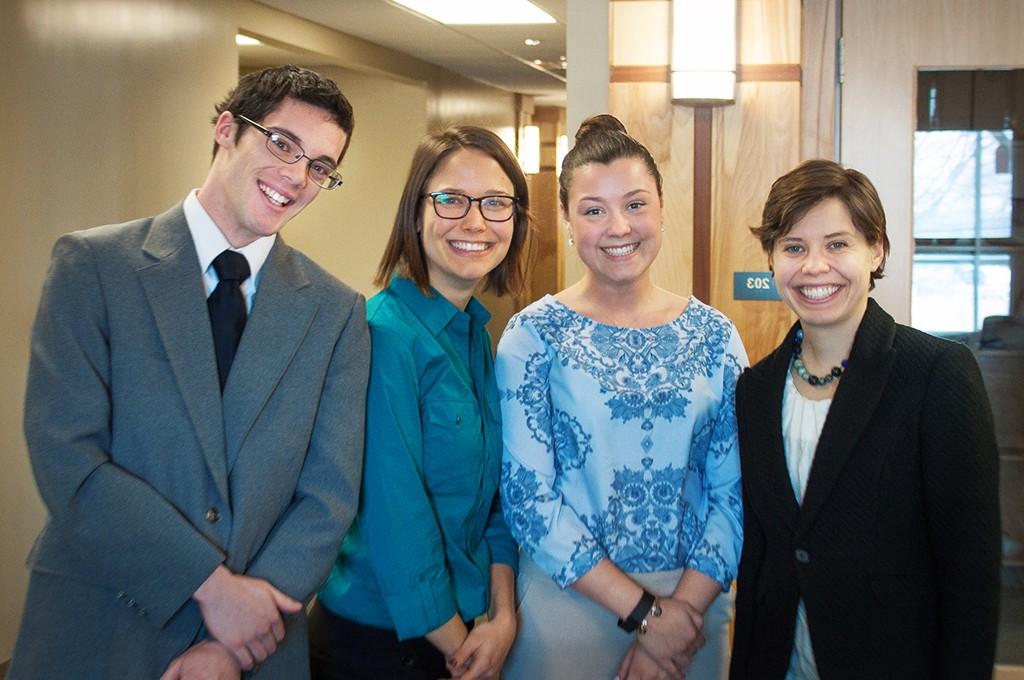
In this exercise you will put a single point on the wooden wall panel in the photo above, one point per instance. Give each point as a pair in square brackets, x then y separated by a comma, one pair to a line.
[754, 142]
[545, 275]
[769, 31]
[674, 268]
[818, 60]
[636, 35]
[646, 110]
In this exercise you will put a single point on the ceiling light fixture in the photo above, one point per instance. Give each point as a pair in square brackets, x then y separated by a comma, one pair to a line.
[477, 12]
[703, 51]
[531, 42]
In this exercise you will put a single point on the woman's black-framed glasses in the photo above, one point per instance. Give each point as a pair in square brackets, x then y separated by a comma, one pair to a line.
[452, 205]
[323, 174]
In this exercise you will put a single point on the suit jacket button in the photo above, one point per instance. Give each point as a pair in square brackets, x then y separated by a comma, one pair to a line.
[802, 556]
[212, 515]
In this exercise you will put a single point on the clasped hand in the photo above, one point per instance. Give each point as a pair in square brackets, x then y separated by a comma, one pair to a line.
[244, 614]
[482, 654]
[668, 647]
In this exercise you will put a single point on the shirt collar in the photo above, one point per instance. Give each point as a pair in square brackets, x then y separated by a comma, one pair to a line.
[210, 241]
[435, 311]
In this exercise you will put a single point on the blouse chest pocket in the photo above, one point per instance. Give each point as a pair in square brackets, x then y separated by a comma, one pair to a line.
[453, 445]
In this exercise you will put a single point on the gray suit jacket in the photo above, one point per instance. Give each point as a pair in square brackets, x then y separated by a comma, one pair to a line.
[150, 478]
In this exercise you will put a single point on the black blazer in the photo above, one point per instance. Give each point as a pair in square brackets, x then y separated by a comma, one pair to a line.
[896, 548]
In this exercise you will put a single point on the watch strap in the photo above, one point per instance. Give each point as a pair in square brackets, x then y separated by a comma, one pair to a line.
[640, 611]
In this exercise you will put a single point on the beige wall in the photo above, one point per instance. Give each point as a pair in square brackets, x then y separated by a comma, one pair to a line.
[102, 125]
[346, 230]
[106, 112]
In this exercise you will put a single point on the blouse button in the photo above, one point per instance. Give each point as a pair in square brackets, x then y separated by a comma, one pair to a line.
[802, 556]
[458, 420]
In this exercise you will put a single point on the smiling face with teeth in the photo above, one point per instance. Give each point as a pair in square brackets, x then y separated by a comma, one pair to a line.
[615, 215]
[249, 192]
[459, 253]
[823, 268]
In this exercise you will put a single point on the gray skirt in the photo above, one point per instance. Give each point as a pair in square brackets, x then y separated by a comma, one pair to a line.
[566, 636]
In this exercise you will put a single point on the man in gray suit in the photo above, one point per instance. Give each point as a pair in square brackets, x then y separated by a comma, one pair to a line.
[198, 483]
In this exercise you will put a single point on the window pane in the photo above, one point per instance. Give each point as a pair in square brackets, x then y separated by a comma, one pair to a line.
[994, 287]
[943, 292]
[961, 188]
[942, 299]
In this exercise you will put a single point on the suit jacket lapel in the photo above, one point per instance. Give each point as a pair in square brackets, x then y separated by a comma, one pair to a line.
[174, 288]
[853, 406]
[281, 317]
[764, 404]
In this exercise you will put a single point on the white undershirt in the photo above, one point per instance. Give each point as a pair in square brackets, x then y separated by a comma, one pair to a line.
[802, 422]
[210, 242]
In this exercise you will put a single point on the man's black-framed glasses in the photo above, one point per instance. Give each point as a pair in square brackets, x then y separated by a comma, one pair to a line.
[322, 173]
[452, 205]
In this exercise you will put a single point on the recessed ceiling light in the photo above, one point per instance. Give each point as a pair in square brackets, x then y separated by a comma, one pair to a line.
[246, 40]
[538, 62]
[467, 12]
[532, 42]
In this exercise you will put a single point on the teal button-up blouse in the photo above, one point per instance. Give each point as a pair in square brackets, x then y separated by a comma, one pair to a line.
[429, 524]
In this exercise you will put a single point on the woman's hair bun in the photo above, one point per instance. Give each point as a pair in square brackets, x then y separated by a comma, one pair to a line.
[601, 123]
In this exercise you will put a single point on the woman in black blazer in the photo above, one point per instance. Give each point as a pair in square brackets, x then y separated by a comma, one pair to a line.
[870, 470]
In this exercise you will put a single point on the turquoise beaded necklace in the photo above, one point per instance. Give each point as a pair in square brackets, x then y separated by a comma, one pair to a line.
[801, 370]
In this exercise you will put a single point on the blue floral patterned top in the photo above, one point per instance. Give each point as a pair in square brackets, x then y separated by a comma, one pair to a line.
[621, 442]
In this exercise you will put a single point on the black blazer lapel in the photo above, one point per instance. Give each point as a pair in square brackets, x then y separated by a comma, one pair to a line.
[858, 395]
[765, 465]
[174, 288]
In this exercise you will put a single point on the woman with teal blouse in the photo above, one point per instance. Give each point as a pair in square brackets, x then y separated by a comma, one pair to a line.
[429, 551]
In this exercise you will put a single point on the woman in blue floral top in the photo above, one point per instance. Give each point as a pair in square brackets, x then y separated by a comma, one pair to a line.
[620, 473]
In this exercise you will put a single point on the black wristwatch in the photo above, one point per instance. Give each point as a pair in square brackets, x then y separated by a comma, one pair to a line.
[639, 613]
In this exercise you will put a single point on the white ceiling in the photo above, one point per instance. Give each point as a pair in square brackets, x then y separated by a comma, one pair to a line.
[496, 55]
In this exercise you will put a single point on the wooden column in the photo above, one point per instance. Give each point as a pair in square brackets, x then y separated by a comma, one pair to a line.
[702, 203]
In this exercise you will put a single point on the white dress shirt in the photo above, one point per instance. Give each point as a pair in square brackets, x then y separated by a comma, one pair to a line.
[802, 422]
[210, 242]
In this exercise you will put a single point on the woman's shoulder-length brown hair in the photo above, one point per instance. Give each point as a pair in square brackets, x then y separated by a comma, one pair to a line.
[404, 252]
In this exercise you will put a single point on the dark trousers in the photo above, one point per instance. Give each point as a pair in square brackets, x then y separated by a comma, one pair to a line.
[340, 649]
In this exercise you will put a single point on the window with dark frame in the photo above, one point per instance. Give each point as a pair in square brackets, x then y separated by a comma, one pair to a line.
[968, 199]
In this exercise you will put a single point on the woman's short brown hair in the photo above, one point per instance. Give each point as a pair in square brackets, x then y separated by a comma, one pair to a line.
[811, 182]
[404, 252]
